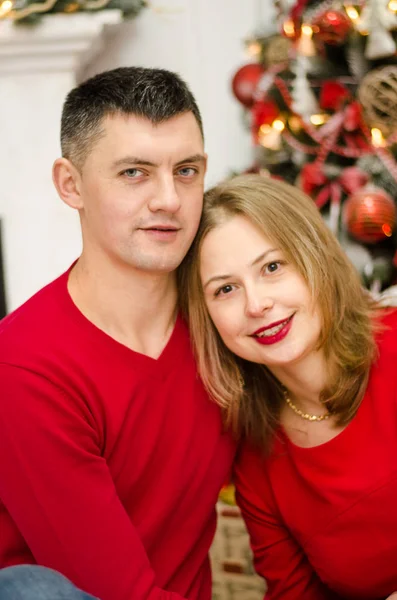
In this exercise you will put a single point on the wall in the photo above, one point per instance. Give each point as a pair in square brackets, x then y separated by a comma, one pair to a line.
[40, 234]
[200, 39]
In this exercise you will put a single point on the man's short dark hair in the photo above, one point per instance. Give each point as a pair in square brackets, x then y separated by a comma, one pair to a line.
[155, 94]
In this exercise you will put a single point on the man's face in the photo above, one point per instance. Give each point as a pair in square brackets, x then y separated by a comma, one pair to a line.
[141, 191]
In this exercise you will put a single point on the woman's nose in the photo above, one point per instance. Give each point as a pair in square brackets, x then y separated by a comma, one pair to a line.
[258, 303]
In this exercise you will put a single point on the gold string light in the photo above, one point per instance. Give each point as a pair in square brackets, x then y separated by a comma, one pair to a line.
[392, 5]
[270, 135]
[378, 141]
[5, 8]
[319, 119]
[352, 13]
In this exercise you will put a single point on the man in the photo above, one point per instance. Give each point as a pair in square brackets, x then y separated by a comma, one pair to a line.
[111, 454]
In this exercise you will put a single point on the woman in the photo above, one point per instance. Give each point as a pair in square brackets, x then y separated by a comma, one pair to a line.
[304, 364]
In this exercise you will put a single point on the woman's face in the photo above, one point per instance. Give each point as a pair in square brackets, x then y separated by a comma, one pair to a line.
[259, 303]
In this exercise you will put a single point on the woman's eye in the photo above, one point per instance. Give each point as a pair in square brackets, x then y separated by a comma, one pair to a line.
[226, 289]
[272, 267]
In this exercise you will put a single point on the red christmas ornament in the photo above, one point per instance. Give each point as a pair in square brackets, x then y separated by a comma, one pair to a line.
[370, 215]
[245, 82]
[332, 27]
[333, 95]
[264, 112]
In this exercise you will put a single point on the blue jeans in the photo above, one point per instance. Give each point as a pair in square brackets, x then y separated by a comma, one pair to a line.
[31, 582]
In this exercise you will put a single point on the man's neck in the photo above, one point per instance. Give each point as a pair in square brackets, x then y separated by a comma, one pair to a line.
[136, 308]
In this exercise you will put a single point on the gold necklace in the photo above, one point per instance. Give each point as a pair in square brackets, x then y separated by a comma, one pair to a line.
[302, 414]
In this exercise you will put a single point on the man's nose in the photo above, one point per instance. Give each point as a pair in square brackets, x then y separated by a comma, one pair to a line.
[166, 197]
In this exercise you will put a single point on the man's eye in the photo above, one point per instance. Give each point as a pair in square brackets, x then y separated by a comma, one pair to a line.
[132, 173]
[187, 171]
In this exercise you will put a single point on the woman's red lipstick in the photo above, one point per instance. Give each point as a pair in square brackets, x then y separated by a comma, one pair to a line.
[282, 330]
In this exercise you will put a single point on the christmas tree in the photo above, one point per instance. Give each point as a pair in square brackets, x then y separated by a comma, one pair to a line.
[321, 97]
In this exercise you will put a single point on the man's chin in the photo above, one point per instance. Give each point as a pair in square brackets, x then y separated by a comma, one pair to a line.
[158, 266]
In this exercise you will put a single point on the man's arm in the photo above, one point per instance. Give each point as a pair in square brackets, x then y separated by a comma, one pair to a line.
[57, 488]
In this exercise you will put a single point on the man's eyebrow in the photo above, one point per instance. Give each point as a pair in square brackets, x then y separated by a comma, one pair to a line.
[133, 160]
[136, 160]
[191, 159]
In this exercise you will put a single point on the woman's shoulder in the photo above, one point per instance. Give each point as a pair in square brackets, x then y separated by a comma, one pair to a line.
[385, 363]
[250, 460]
[254, 459]
[250, 473]
[388, 315]
[254, 472]
[386, 334]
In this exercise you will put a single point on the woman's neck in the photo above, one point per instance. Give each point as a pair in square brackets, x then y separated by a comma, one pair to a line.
[305, 380]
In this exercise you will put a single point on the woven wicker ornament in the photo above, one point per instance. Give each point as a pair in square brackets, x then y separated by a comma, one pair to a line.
[378, 96]
[277, 50]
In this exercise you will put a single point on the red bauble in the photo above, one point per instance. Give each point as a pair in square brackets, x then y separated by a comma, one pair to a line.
[264, 112]
[245, 82]
[332, 27]
[370, 215]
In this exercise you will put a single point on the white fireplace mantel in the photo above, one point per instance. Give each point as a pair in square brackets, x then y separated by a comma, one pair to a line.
[38, 66]
[59, 42]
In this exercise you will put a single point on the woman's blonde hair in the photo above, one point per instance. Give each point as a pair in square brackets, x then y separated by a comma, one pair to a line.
[249, 394]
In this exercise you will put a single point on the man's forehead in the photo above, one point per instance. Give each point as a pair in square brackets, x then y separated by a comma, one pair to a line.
[119, 122]
[131, 139]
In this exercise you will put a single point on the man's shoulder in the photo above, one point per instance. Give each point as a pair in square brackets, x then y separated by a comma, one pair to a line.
[35, 322]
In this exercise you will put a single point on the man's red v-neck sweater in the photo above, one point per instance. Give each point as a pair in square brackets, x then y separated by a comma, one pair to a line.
[110, 461]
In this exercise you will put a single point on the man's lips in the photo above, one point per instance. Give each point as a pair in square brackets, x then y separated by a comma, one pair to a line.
[161, 233]
[160, 228]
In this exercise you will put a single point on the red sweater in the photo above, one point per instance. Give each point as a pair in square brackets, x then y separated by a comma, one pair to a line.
[110, 461]
[323, 520]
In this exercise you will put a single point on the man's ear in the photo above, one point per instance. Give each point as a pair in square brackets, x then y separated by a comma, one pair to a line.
[67, 181]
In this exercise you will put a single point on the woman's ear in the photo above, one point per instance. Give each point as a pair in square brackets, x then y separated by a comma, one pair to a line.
[67, 181]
